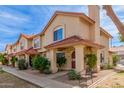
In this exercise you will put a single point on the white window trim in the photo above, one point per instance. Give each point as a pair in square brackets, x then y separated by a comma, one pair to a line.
[39, 42]
[23, 41]
[15, 49]
[63, 34]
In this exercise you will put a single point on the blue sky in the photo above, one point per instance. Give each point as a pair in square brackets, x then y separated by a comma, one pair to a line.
[32, 19]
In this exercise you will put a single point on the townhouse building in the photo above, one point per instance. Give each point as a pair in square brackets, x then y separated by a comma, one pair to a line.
[68, 34]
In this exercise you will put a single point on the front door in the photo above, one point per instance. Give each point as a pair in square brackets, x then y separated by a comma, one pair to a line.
[73, 59]
[30, 60]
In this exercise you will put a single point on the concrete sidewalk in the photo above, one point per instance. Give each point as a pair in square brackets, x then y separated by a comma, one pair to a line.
[39, 81]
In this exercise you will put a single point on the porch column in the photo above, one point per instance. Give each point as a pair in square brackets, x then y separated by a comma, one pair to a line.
[16, 63]
[52, 58]
[27, 58]
[79, 57]
[98, 61]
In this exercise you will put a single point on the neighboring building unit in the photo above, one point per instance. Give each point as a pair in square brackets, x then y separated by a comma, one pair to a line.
[118, 50]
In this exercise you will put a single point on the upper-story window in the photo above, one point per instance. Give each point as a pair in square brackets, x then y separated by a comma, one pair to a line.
[36, 42]
[14, 49]
[58, 34]
[22, 44]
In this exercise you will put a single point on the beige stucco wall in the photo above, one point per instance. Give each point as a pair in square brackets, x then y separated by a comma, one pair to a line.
[42, 43]
[8, 50]
[94, 14]
[29, 43]
[76, 26]
[25, 41]
[72, 26]
[110, 59]
[14, 47]
[104, 40]
[68, 56]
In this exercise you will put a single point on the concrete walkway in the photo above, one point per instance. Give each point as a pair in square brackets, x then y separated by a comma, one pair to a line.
[39, 81]
[50, 76]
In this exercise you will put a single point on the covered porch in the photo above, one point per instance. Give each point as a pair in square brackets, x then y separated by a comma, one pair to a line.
[74, 49]
[27, 54]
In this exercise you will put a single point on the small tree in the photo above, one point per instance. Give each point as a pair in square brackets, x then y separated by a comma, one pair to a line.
[2, 59]
[13, 60]
[36, 62]
[115, 59]
[121, 38]
[73, 75]
[22, 64]
[6, 62]
[61, 61]
[91, 61]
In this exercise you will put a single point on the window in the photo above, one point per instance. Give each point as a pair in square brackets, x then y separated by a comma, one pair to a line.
[58, 34]
[102, 57]
[22, 44]
[14, 50]
[59, 55]
[36, 43]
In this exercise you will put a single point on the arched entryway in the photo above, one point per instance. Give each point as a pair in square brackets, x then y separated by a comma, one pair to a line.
[30, 60]
[73, 59]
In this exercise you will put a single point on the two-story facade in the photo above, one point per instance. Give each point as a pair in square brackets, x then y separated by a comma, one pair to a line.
[69, 34]
[21, 47]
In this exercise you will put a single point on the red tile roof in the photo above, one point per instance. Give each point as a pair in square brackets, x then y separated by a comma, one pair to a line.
[105, 32]
[25, 51]
[29, 37]
[74, 40]
[8, 45]
[31, 51]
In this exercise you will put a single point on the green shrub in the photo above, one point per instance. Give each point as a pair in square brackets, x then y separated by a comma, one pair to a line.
[2, 59]
[106, 66]
[41, 63]
[115, 59]
[61, 61]
[72, 75]
[91, 61]
[36, 62]
[6, 62]
[22, 64]
[13, 60]
[110, 66]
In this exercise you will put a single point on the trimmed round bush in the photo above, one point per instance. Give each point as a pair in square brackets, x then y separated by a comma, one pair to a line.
[72, 75]
[22, 64]
[6, 62]
[41, 63]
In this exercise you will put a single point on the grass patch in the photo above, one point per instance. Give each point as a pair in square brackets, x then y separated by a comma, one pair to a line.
[9, 81]
[115, 86]
[115, 81]
[118, 86]
[121, 73]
